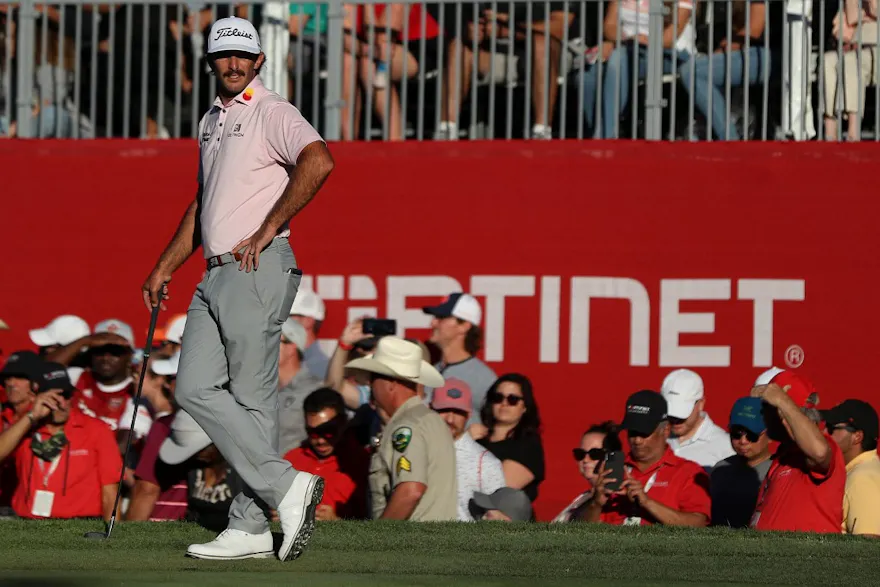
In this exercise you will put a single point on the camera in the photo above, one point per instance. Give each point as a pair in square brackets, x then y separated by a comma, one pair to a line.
[379, 327]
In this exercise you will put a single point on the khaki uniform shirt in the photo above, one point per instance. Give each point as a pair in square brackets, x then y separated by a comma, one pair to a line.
[416, 446]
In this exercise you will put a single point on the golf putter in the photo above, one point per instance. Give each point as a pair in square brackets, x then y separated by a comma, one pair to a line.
[154, 317]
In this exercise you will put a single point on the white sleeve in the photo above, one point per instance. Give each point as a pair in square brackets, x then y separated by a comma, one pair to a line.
[142, 424]
[492, 473]
[74, 373]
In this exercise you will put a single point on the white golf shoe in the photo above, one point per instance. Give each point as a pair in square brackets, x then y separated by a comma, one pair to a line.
[234, 545]
[297, 514]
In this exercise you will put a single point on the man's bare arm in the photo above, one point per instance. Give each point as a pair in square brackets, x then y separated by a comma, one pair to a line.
[185, 241]
[313, 166]
[143, 499]
[404, 500]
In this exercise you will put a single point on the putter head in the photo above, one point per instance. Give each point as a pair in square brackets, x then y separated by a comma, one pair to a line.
[108, 527]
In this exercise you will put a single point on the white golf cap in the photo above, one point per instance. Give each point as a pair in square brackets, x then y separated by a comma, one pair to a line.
[63, 330]
[115, 326]
[234, 34]
[174, 330]
[186, 439]
[397, 358]
[294, 332]
[459, 305]
[307, 303]
[767, 376]
[166, 366]
[681, 389]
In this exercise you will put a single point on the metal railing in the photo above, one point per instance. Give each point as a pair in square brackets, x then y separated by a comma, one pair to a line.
[449, 70]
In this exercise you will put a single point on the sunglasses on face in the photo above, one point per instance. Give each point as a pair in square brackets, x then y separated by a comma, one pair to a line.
[736, 434]
[596, 454]
[497, 398]
[115, 350]
[328, 430]
[676, 421]
[849, 429]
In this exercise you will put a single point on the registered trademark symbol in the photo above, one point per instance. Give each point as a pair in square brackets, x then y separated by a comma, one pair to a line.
[794, 356]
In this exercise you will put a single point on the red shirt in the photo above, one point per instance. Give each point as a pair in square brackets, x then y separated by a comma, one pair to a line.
[793, 498]
[88, 462]
[171, 479]
[344, 477]
[675, 482]
[8, 478]
[106, 406]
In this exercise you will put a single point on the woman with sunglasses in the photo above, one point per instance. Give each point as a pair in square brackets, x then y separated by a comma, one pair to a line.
[596, 442]
[513, 432]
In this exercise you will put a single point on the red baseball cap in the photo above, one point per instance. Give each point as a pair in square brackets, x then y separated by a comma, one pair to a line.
[800, 388]
[454, 395]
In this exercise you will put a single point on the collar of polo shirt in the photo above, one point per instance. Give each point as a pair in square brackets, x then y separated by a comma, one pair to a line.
[248, 96]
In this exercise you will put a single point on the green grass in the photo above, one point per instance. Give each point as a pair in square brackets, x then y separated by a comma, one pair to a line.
[54, 553]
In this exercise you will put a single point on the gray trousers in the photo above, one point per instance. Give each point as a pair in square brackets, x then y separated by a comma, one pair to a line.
[228, 375]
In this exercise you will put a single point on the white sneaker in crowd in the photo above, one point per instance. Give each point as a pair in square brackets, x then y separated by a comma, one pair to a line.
[542, 132]
[297, 514]
[234, 545]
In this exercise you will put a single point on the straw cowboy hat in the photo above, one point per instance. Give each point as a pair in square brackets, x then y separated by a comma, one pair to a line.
[399, 359]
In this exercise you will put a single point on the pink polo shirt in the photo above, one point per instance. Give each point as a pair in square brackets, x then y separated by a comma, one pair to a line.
[247, 150]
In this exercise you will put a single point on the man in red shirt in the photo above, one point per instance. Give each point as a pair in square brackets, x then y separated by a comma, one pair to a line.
[105, 389]
[68, 463]
[17, 379]
[803, 490]
[333, 453]
[658, 487]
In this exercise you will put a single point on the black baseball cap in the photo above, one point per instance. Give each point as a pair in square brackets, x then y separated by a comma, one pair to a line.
[54, 376]
[23, 364]
[645, 410]
[855, 413]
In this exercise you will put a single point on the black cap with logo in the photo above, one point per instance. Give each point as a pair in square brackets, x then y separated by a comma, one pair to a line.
[25, 364]
[854, 413]
[54, 376]
[645, 410]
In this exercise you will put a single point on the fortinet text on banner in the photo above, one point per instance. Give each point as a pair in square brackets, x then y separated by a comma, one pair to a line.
[360, 293]
[600, 266]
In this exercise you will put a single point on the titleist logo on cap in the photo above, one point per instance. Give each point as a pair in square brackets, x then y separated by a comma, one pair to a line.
[232, 32]
[638, 409]
[55, 375]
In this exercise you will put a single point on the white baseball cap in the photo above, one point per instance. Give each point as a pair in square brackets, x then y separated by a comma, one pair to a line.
[166, 366]
[460, 305]
[63, 330]
[767, 376]
[295, 333]
[174, 331]
[234, 34]
[307, 303]
[681, 389]
[187, 438]
[115, 326]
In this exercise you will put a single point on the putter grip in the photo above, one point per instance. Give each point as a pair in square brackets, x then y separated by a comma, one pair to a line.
[154, 319]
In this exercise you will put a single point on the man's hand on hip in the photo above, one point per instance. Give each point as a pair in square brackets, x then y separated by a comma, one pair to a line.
[250, 256]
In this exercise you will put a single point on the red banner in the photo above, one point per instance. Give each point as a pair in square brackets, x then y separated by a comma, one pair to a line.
[600, 266]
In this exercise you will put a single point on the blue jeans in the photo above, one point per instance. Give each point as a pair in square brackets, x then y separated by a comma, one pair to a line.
[49, 125]
[617, 76]
[702, 89]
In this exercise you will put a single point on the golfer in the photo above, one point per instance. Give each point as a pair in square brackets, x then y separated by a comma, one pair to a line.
[260, 163]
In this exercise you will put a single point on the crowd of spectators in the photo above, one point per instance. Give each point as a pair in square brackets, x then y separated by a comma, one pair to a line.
[428, 68]
[398, 436]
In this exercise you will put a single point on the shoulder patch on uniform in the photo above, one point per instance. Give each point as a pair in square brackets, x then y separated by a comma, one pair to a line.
[401, 437]
[403, 464]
